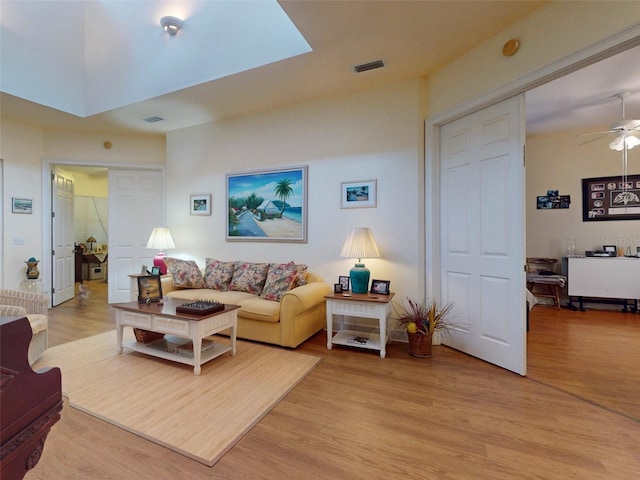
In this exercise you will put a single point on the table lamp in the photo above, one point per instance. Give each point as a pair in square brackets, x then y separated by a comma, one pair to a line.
[91, 240]
[360, 244]
[160, 239]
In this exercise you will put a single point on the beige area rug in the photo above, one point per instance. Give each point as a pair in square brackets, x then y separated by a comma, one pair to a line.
[202, 416]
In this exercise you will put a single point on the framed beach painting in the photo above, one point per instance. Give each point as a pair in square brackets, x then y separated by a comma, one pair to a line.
[358, 194]
[200, 204]
[267, 205]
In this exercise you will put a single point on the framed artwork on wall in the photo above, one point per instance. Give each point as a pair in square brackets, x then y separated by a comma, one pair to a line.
[200, 205]
[611, 198]
[359, 194]
[22, 205]
[267, 205]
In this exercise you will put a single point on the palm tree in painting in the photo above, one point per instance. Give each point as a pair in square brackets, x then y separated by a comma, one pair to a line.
[283, 190]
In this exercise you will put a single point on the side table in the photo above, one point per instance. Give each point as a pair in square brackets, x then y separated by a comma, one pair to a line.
[363, 305]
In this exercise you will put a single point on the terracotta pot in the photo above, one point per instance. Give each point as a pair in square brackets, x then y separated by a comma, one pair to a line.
[420, 345]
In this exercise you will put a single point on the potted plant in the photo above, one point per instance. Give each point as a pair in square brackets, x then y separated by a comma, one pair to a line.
[421, 320]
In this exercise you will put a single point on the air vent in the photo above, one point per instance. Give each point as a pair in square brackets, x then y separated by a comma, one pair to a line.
[369, 66]
[153, 119]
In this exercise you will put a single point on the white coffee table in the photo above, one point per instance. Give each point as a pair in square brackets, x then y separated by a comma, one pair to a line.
[162, 318]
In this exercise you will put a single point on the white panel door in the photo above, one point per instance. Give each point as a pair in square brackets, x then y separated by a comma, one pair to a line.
[63, 259]
[135, 207]
[482, 232]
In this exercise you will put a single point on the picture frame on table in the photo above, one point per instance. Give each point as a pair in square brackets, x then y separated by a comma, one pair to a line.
[380, 287]
[149, 289]
[267, 205]
[610, 248]
[155, 271]
[359, 194]
[344, 281]
[200, 204]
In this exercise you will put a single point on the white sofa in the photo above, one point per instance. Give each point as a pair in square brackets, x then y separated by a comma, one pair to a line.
[34, 306]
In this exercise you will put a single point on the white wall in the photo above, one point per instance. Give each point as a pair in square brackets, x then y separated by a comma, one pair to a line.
[24, 148]
[21, 151]
[558, 162]
[548, 35]
[370, 135]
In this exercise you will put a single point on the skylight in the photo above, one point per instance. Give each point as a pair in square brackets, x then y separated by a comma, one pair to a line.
[111, 53]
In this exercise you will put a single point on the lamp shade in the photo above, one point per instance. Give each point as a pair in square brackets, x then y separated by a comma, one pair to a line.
[360, 244]
[160, 239]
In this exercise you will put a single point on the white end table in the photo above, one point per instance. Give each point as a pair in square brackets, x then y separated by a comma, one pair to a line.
[363, 305]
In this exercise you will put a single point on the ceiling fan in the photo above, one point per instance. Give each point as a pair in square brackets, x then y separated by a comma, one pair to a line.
[627, 132]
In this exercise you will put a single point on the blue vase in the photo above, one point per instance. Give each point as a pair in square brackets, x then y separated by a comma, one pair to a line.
[359, 278]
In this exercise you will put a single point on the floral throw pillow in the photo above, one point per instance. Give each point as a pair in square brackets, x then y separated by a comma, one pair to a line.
[301, 277]
[218, 274]
[280, 279]
[249, 277]
[185, 273]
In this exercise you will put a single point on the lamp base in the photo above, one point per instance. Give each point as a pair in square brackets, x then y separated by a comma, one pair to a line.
[359, 278]
[158, 261]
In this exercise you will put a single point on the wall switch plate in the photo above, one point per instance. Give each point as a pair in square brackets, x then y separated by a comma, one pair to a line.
[17, 241]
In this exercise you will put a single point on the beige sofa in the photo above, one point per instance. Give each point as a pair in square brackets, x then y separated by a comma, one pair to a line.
[34, 306]
[297, 315]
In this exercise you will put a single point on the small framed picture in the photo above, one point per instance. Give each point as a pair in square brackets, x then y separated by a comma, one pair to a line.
[22, 205]
[381, 287]
[200, 204]
[359, 194]
[155, 270]
[610, 248]
[144, 270]
[344, 281]
[337, 288]
[149, 289]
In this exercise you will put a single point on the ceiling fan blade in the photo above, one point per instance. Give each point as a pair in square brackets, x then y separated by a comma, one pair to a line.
[596, 133]
[594, 139]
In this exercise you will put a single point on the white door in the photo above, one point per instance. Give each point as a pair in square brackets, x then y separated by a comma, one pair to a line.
[63, 259]
[136, 200]
[482, 232]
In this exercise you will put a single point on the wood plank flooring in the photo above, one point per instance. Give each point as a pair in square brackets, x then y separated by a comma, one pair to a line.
[359, 416]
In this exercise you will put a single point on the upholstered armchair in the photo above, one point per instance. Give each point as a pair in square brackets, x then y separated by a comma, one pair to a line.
[34, 306]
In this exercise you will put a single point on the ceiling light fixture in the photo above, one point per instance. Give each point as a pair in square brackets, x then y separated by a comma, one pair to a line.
[171, 25]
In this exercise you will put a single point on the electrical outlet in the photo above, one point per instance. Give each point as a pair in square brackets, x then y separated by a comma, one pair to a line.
[17, 241]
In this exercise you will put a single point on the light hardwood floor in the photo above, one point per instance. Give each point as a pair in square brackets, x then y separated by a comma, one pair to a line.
[359, 416]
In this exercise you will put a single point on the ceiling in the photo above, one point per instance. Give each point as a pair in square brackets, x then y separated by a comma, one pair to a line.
[413, 38]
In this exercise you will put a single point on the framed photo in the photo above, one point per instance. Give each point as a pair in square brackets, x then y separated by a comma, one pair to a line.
[359, 194]
[610, 248]
[344, 281]
[155, 270]
[381, 287]
[149, 289]
[611, 198]
[267, 206]
[337, 288]
[200, 205]
[22, 205]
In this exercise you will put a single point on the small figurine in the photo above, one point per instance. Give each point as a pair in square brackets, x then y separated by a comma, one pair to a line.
[32, 268]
